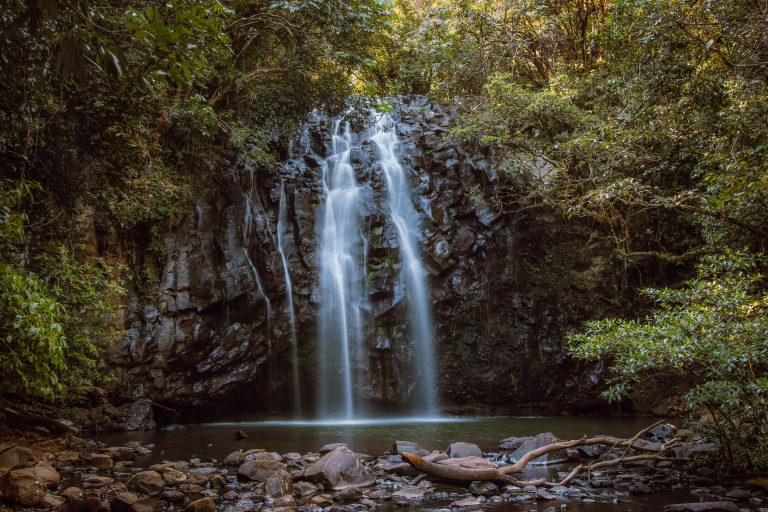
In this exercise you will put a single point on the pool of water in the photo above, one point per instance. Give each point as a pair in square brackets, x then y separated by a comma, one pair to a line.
[374, 437]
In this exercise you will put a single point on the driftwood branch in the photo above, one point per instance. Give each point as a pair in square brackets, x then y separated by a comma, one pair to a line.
[502, 475]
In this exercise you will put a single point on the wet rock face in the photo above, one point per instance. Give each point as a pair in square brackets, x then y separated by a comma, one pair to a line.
[217, 333]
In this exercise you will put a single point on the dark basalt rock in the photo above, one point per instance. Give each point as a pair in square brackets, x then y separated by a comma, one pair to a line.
[505, 286]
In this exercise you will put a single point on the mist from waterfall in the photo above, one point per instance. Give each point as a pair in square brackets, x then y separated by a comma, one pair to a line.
[406, 220]
[343, 295]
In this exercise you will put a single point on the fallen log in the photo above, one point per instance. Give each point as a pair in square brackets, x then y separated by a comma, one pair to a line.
[457, 473]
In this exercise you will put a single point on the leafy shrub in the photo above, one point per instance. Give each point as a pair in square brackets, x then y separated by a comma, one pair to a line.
[712, 337]
[49, 319]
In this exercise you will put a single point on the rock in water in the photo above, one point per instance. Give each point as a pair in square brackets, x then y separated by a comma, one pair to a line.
[537, 442]
[410, 447]
[239, 434]
[460, 450]
[339, 469]
[330, 447]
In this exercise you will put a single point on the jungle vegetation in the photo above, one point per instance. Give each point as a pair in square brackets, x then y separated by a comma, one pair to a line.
[645, 119]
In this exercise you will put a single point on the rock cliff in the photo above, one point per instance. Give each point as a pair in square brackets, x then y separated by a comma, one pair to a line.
[505, 287]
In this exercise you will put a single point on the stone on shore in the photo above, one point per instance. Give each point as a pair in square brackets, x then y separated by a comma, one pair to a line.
[27, 486]
[461, 450]
[150, 483]
[339, 469]
[274, 475]
[202, 505]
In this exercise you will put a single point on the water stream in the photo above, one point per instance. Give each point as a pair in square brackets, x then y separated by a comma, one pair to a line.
[282, 232]
[343, 318]
[406, 220]
[342, 282]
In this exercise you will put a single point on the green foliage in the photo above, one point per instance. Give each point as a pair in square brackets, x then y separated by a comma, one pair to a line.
[49, 318]
[86, 294]
[31, 335]
[710, 338]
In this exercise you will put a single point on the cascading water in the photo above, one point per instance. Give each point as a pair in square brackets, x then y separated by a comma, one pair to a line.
[247, 222]
[282, 232]
[406, 221]
[343, 270]
[342, 282]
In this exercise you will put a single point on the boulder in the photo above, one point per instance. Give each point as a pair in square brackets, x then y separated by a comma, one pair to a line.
[150, 483]
[483, 488]
[537, 442]
[286, 502]
[27, 486]
[173, 496]
[708, 506]
[263, 456]
[513, 443]
[102, 461]
[137, 416]
[304, 489]
[78, 501]
[331, 446]
[258, 470]
[234, 459]
[339, 469]
[408, 447]
[202, 505]
[14, 456]
[279, 483]
[123, 501]
[411, 493]
[461, 450]
[276, 479]
[348, 495]
[171, 476]
[147, 504]
[467, 503]
[662, 431]
[23, 486]
[322, 500]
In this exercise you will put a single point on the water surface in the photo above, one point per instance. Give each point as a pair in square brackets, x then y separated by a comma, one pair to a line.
[375, 436]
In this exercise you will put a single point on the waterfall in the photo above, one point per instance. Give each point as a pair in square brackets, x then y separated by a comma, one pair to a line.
[342, 260]
[406, 221]
[247, 222]
[342, 281]
[282, 231]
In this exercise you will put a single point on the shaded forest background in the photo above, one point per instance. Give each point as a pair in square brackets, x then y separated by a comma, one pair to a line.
[647, 119]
